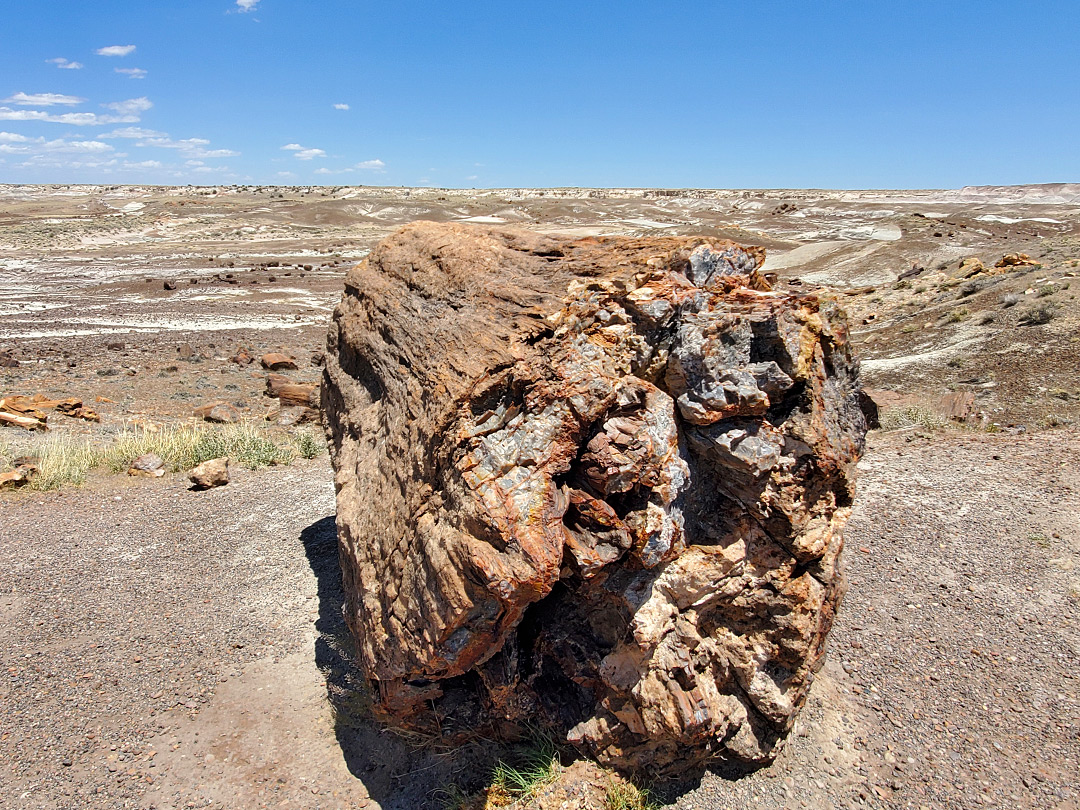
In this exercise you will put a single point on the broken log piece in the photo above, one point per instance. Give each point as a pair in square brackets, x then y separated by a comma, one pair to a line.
[292, 393]
[18, 420]
[598, 484]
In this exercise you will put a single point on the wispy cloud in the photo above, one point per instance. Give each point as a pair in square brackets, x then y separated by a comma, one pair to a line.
[42, 99]
[116, 50]
[341, 106]
[188, 147]
[247, 5]
[133, 106]
[367, 165]
[64, 64]
[40, 146]
[134, 132]
[131, 73]
[13, 137]
[82, 119]
[304, 152]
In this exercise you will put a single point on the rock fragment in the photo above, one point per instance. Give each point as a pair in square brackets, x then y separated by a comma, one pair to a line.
[276, 361]
[288, 392]
[598, 484]
[148, 465]
[218, 412]
[210, 474]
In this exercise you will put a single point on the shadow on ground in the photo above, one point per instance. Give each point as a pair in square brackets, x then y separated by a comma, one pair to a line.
[398, 773]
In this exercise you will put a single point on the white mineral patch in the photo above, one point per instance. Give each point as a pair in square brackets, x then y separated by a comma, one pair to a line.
[484, 220]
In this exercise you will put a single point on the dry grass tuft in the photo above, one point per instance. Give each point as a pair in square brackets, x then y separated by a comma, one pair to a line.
[64, 460]
[911, 416]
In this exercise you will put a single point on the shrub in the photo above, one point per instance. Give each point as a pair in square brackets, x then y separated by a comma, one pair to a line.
[958, 315]
[1037, 314]
[1010, 300]
[911, 416]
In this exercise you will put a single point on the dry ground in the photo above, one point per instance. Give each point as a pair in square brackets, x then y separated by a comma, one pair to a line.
[165, 648]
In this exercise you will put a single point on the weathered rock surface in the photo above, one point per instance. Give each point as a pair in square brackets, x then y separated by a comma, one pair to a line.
[598, 484]
[148, 465]
[210, 474]
[219, 412]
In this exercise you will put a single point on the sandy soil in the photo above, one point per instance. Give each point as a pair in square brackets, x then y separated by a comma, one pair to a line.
[166, 648]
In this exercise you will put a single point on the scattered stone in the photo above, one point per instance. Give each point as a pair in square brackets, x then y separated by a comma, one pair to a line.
[18, 477]
[1015, 260]
[957, 405]
[169, 285]
[219, 412]
[603, 479]
[276, 361]
[115, 346]
[149, 465]
[971, 266]
[242, 358]
[185, 351]
[210, 474]
[281, 387]
[289, 417]
[7, 361]
[318, 358]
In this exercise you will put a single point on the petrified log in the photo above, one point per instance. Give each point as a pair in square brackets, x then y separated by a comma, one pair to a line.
[598, 484]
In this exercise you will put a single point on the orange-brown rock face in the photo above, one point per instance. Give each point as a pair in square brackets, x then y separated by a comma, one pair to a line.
[596, 483]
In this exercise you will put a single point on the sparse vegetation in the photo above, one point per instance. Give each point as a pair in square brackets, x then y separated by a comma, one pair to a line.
[537, 765]
[911, 416]
[1010, 300]
[624, 795]
[958, 315]
[1039, 539]
[1046, 290]
[1037, 314]
[986, 319]
[64, 460]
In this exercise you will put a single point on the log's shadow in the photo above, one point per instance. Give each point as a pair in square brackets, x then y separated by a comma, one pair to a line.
[399, 773]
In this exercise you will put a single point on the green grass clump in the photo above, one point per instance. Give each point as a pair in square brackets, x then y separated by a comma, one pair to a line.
[911, 416]
[627, 796]
[536, 766]
[1037, 315]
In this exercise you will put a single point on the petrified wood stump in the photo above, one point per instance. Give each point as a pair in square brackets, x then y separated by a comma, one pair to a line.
[598, 484]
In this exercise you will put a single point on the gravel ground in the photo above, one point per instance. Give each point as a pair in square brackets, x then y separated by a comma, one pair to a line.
[165, 648]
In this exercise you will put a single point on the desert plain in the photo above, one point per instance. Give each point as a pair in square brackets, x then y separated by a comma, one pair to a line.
[161, 647]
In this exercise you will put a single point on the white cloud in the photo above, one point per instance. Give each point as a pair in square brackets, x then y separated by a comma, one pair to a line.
[133, 106]
[64, 64]
[188, 147]
[370, 164]
[13, 137]
[116, 50]
[143, 164]
[341, 106]
[324, 170]
[42, 99]
[131, 73]
[247, 5]
[39, 146]
[376, 165]
[286, 174]
[134, 132]
[74, 119]
[304, 152]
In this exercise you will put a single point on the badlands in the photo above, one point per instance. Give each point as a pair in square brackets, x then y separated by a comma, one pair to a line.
[162, 647]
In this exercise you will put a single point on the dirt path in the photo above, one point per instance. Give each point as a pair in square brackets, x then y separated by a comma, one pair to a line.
[169, 649]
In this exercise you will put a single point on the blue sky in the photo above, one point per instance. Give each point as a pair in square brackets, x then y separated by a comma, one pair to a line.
[764, 94]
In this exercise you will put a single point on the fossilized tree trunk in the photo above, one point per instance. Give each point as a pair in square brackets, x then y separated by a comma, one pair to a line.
[598, 484]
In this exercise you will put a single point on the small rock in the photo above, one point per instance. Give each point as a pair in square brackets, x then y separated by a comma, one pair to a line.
[115, 346]
[185, 351]
[7, 361]
[210, 474]
[149, 465]
[219, 412]
[318, 358]
[169, 285]
[276, 361]
[242, 357]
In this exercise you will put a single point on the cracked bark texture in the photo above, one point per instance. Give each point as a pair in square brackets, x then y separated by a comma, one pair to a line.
[598, 484]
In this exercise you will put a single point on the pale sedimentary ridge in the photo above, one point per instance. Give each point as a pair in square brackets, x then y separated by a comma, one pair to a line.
[595, 483]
